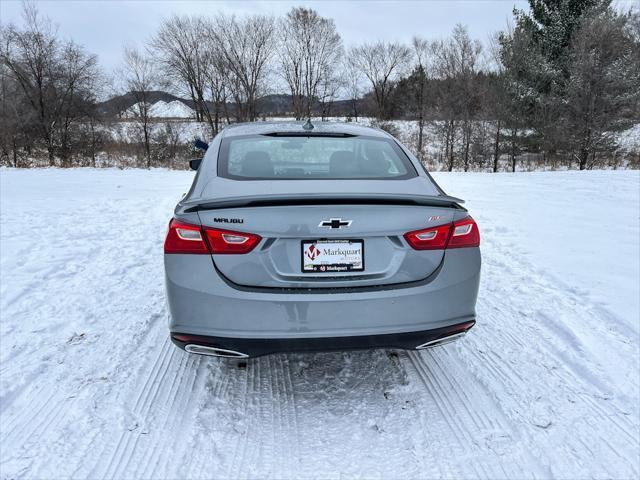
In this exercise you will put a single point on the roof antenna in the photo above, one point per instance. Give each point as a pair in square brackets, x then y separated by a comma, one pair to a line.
[308, 125]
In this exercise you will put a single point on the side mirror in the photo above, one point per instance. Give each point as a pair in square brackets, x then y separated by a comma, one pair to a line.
[195, 163]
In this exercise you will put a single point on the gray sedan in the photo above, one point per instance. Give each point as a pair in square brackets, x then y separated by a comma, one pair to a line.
[302, 237]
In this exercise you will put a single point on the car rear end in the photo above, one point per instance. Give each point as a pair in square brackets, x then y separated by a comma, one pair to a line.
[303, 242]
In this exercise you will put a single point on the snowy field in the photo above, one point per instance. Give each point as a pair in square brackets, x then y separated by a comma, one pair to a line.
[546, 385]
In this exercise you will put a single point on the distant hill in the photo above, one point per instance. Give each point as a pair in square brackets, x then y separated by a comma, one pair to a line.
[276, 104]
[120, 103]
[162, 109]
[269, 105]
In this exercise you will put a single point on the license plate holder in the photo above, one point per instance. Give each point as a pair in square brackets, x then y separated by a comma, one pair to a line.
[332, 255]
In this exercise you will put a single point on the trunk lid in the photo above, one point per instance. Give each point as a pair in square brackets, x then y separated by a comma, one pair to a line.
[286, 221]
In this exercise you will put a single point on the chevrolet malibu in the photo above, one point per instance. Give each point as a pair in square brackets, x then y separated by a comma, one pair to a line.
[300, 237]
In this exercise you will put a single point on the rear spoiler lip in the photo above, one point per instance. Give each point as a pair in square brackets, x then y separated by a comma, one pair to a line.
[302, 199]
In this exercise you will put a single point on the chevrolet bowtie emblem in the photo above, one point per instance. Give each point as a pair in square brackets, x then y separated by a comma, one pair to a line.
[335, 223]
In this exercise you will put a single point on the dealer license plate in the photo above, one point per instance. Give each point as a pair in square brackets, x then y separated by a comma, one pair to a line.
[332, 256]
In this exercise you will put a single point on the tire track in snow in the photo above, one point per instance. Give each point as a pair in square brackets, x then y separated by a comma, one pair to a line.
[171, 387]
[30, 425]
[266, 441]
[160, 463]
[38, 427]
[65, 409]
[564, 385]
[466, 420]
[293, 424]
[521, 403]
[286, 410]
[265, 435]
[35, 403]
[262, 429]
[153, 402]
[122, 447]
[201, 449]
[44, 413]
[461, 436]
[239, 453]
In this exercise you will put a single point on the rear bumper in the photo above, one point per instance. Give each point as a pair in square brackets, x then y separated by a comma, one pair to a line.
[202, 303]
[255, 347]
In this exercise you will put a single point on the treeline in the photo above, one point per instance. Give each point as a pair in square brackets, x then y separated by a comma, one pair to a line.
[48, 92]
[559, 85]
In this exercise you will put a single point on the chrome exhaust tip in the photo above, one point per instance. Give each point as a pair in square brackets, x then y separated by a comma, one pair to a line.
[441, 341]
[214, 351]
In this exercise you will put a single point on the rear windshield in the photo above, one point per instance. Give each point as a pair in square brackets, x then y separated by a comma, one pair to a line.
[259, 157]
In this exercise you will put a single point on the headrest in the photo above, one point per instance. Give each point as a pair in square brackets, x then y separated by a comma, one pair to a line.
[257, 164]
[375, 163]
[342, 163]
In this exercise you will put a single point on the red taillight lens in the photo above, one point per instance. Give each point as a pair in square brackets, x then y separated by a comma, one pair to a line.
[226, 241]
[434, 238]
[184, 238]
[463, 233]
[193, 239]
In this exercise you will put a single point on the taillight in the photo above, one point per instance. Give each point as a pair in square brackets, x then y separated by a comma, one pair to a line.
[184, 238]
[226, 241]
[193, 239]
[459, 234]
[465, 234]
[434, 238]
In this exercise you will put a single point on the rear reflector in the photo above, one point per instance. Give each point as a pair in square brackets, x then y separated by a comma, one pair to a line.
[193, 239]
[459, 234]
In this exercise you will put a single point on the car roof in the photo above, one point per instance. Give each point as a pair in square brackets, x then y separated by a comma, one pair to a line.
[283, 127]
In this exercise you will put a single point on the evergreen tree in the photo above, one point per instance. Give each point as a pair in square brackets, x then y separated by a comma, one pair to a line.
[571, 75]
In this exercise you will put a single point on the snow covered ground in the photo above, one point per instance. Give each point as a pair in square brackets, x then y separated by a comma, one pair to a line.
[546, 385]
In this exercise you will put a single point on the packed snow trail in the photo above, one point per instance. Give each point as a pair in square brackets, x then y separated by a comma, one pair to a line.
[546, 385]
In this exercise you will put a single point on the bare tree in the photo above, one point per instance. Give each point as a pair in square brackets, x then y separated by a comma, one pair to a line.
[140, 78]
[421, 54]
[80, 75]
[310, 48]
[328, 91]
[189, 61]
[218, 84]
[447, 94]
[217, 77]
[382, 63]
[53, 77]
[92, 135]
[468, 52]
[248, 45]
[456, 63]
[352, 83]
[17, 118]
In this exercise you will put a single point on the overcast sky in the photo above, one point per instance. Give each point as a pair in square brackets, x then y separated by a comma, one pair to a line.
[103, 27]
